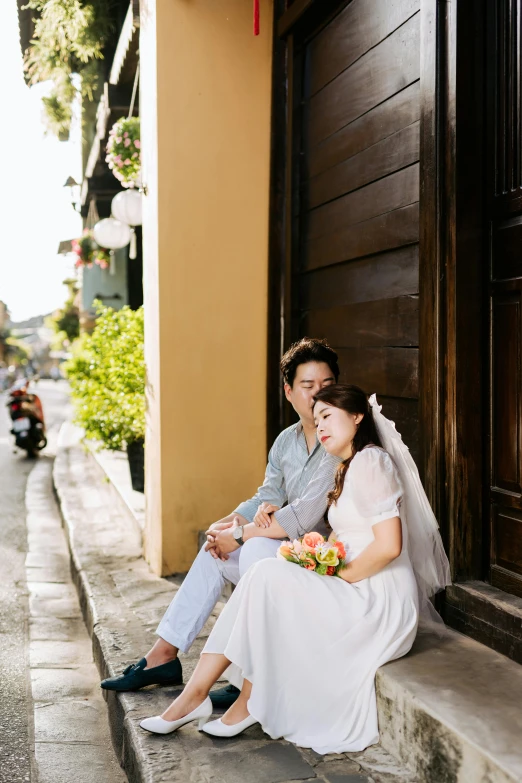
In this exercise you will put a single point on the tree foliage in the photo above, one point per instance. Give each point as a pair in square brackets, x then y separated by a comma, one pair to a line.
[107, 377]
[69, 39]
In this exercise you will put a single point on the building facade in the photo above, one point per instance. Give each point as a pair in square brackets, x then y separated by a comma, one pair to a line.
[353, 173]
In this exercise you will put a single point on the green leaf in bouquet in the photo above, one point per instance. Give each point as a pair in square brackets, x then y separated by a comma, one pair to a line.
[321, 569]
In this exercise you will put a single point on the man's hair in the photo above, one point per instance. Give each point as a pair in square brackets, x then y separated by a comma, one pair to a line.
[308, 349]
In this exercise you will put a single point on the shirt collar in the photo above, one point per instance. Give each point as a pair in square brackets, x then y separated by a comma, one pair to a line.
[300, 436]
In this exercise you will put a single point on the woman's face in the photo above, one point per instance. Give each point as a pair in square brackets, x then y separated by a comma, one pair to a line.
[336, 428]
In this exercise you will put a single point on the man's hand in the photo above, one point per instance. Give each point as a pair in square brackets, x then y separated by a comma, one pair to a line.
[217, 526]
[212, 545]
[211, 533]
[262, 517]
[224, 541]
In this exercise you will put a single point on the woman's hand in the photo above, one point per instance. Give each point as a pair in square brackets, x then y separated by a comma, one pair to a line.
[262, 517]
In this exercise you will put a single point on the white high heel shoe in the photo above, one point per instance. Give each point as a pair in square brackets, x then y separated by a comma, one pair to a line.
[158, 725]
[219, 729]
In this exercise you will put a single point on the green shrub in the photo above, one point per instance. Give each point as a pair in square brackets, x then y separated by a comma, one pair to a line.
[107, 377]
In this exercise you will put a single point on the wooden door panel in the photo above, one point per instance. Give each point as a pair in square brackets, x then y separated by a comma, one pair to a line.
[506, 392]
[353, 186]
[362, 25]
[397, 151]
[507, 538]
[394, 229]
[394, 191]
[383, 71]
[393, 372]
[507, 244]
[388, 322]
[387, 275]
[504, 210]
[382, 121]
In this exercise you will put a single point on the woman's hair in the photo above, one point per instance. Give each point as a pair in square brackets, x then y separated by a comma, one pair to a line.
[353, 400]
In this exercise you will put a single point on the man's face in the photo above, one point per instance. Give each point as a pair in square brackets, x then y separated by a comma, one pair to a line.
[309, 379]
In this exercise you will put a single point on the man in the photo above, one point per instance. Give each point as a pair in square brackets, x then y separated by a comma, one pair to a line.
[291, 502]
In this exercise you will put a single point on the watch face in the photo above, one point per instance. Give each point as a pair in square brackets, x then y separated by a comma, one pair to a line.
[237, 533]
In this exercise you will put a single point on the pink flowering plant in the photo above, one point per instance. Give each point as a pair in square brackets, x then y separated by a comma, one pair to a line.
[88, 253]
[124, 151]
[315, 553]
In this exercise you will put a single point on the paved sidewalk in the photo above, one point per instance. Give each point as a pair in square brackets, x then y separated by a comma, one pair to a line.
[122, 603]
[71, 731]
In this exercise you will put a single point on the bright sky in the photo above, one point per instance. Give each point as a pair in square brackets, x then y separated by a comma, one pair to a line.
[35, 208]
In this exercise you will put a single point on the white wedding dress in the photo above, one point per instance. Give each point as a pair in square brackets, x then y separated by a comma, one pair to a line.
[311, 644]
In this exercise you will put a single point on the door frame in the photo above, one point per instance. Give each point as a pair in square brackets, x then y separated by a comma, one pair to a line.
[452, 247]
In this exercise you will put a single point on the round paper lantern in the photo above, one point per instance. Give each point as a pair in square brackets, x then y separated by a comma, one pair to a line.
[126, 207]
[111, 233]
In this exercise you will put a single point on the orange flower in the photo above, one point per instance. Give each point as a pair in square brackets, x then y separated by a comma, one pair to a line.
[284, 551]
[330, 571]
[310, 565]
[310, 541]
[341, 551]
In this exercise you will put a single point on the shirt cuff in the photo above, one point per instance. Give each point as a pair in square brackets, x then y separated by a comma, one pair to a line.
[393, 512]
[289, 522]
[247, 510]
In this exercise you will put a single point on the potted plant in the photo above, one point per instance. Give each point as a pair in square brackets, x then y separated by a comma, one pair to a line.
[124, 151]
[88, 252]
[107, 377]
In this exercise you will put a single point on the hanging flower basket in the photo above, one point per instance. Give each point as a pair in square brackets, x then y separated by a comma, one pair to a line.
[88, 253]
[123, 151]
[102, 257]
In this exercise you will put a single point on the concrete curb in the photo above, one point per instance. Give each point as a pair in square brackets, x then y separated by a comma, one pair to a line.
[122, 603]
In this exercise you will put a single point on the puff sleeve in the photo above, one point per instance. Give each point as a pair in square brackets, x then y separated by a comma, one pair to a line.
[374, 485]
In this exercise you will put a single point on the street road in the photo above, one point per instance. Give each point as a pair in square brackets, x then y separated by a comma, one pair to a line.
[16, 712]
[42, 636]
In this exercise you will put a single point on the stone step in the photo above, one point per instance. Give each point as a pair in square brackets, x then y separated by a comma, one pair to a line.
[452, 711]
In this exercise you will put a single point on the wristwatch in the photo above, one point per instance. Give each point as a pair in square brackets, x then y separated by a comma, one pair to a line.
[238, 534]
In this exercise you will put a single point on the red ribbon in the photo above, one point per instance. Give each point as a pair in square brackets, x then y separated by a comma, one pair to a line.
[256, 17]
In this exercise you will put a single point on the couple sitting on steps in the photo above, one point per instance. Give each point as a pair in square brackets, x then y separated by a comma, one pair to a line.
[300, 650]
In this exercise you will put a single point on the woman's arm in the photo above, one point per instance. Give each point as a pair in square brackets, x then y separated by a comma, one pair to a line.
[386, 547]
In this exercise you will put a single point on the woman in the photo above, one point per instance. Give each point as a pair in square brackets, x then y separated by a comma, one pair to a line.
[308, 646]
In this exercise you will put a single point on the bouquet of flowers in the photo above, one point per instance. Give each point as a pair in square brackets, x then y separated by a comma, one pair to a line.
[123, 151]
[315, 553]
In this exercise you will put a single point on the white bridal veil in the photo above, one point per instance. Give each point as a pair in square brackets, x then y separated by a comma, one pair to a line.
[425, 548]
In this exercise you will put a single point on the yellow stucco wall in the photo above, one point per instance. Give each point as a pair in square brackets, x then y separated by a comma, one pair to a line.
[205, 109]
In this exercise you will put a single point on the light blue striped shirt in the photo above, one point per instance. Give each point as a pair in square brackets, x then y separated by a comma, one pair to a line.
[296, 481]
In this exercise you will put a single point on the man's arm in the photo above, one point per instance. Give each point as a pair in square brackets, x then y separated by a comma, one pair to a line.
[272, 490]
[296, 519]
[305, 513]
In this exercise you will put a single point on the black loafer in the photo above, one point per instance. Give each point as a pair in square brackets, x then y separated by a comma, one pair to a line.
[224, 698]
[136, 676]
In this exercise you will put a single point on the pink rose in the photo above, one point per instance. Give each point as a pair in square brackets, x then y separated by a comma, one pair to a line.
[137, 144]
[126, 143]
[127, 162]
[125, 134]
[310, 541]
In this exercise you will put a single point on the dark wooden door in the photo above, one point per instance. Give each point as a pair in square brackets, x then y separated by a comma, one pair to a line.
[504, 205]
[355, 195]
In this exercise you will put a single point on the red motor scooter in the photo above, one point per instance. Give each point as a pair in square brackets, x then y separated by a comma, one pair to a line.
[28, 425]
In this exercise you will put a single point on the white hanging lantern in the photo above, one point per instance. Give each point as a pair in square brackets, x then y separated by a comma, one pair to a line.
[126, 207]
[112, 234]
